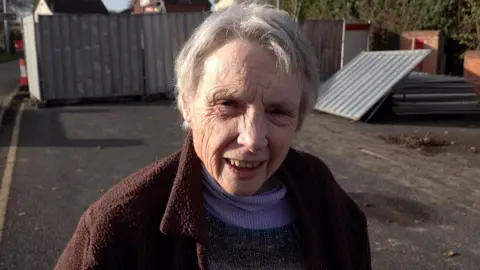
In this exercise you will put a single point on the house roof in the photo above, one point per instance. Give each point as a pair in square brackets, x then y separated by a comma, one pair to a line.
[76, 6]
[195, 2]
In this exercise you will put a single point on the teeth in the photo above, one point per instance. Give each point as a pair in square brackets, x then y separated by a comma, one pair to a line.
[243, 164]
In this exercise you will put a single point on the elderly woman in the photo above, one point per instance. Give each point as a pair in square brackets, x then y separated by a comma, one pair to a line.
[236, 196]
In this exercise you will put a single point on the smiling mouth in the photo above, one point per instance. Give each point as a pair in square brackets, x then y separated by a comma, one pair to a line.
[244, 164]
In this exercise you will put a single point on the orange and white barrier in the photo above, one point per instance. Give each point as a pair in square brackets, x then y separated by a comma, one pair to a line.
[23, 74]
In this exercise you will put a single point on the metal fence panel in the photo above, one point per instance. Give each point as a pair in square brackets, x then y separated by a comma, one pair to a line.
[326, 38]
[164, 36]
[30, 48]
[90, 56]
[365, 81]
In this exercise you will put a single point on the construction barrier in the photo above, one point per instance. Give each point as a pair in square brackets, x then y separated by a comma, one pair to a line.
[23, 75]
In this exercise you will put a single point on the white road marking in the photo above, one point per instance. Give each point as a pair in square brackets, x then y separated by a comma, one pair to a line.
[9, 168]
[373, 154]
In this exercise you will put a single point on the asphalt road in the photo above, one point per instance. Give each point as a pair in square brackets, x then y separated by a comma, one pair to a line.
[68, 156]
[420, 206]
[9, 74]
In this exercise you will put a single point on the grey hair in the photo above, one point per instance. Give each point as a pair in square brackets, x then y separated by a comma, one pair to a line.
[261, 23]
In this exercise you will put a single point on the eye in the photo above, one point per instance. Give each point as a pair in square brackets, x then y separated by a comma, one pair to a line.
[279, 112]
[228, 103]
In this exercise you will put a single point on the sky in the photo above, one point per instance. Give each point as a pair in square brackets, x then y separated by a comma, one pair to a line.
[116, 4]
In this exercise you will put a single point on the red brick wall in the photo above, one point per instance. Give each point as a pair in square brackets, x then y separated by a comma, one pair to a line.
[435, 62]
[471, 67]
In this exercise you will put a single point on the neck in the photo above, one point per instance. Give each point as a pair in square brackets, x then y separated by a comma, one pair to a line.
[264, 210]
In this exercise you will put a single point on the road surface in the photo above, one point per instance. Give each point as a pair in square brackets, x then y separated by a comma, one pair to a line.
[9, 75]
[419, 207]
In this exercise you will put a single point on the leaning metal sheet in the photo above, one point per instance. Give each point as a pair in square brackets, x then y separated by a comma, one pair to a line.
[365, 81]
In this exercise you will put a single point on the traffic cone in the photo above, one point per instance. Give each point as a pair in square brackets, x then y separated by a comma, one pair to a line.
[23, 75]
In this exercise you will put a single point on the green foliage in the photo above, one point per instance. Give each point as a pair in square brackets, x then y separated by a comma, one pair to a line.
[6, 57]
[469, 26]
[457, 19]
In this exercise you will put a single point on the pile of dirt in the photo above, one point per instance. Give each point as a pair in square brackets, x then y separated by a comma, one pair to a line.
[416, 142]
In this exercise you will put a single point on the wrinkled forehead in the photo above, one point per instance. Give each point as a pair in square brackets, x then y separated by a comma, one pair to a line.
[241, 58]
[247, 69]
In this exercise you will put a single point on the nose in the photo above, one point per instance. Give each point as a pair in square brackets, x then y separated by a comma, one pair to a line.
[252, 133]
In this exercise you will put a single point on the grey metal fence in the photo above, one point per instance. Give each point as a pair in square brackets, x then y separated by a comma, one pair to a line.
[89, 56]
[164, 36]
[96, 56]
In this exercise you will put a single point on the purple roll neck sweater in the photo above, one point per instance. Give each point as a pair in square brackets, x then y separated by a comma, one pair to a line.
[268, 210]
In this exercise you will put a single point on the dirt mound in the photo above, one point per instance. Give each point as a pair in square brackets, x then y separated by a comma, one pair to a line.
[415, 141]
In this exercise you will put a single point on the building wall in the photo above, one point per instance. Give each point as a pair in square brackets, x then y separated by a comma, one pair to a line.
[219, 4]
[139, 9]
[136, 7]
[223, 4]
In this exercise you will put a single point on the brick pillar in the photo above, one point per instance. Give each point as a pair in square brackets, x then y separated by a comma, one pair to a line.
[433, 40]
[471, 67]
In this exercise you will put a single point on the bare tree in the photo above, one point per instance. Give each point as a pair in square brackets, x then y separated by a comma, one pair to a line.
[295, 8]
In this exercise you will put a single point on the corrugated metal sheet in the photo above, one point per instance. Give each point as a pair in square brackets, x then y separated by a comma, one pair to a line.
[365, 81]
[30, 48]
[90, 56]
[326, 39]
[164, 36]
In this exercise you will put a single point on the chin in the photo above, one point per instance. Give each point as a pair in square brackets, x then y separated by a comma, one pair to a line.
[242, 189]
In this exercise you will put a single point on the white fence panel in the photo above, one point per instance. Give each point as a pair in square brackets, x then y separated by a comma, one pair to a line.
[30, 47]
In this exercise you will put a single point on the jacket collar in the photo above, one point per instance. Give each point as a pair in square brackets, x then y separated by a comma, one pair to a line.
[184, 211]
[183, 215]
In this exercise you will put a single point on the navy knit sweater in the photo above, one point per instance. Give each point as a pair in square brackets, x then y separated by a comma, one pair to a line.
[250, 232]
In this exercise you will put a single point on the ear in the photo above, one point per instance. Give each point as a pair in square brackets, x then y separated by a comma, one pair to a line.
[187, 115]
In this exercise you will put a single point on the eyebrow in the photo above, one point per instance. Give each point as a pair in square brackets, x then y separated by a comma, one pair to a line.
[222, 93]
[226, 92]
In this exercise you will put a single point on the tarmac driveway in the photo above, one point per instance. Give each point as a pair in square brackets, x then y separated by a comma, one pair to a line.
[417, 207]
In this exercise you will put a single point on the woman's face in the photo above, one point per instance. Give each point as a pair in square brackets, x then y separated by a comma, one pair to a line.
[243, 117]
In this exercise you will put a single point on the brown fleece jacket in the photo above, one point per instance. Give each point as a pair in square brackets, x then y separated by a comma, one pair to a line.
[154, 219]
